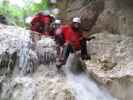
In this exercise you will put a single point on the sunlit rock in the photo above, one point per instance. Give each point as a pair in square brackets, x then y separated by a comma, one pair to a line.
[111, 63]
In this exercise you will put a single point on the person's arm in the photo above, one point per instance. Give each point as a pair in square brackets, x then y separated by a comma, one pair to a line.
[87, 37]
[34, 32]
[91, 38]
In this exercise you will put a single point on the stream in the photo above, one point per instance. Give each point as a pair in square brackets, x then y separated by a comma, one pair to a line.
[21, 87]
[83, 86]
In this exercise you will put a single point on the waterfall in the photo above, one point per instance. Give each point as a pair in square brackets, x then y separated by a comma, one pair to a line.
[21, 85]
[44, 52]
[23, 58]
[83, 86]
[17, 53]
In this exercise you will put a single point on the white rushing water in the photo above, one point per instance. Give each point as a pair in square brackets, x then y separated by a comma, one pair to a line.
[44, 53]
[85, 88]
[24, 87]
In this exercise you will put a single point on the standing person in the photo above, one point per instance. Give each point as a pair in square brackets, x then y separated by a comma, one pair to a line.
[47, 20]
[41, 23]
[37, 24]
[73, 41]
[58, 36]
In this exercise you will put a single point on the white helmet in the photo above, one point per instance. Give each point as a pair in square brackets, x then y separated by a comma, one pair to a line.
[57, 21]
[29, 19]
[76, 20]
[46, 12]
[55, 11]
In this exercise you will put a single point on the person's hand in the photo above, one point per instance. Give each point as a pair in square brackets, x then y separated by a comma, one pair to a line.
[34, 32]
[90, 38]
[78, 52]
[81, 38]
[93, 37]
[66, 43]
[58, 31]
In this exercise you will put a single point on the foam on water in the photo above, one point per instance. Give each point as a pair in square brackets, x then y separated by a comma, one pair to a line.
[84, 87]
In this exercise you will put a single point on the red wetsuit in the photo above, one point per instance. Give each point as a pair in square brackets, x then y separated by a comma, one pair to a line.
[71, 36]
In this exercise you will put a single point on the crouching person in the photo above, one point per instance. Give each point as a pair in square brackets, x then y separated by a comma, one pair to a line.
[73, 41]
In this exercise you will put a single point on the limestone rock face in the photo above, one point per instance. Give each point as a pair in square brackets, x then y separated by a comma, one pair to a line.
[87, 10]
[22, 75]
[12, 39]
[114, 16]
[40, 86]
[111, 63]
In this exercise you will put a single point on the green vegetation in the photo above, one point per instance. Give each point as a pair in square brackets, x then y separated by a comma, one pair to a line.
[16, 14]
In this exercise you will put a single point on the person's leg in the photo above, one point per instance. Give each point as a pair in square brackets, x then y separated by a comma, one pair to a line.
[65, 54]
[67, 50]
[58, 50]
[84, 53]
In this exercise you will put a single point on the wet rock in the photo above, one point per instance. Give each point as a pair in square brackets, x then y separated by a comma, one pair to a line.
[22, 76]
[88, 10]
[115, 18]
[75, 66]
[3, 19]
[107, 65]
[12, 41]
[111, 63]
[37, 87]
[19, 88]
[106, 21]
[19, 53]
[46, 50]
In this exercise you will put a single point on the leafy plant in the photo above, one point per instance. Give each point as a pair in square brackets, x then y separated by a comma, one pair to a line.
[17, 15]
